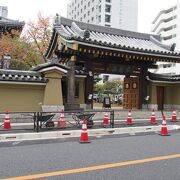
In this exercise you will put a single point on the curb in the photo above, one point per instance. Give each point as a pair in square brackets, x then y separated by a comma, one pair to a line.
[77, 133]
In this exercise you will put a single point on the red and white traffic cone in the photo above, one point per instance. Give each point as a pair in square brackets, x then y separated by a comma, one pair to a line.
[61, 121]
[153, 117]
[164, 130]
[7, 124]
[84, 135]
[174, 117]
[105, 121]
[129, 118]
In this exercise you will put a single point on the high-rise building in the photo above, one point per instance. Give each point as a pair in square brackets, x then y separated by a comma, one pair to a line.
[167, 24]
[121, 14]
[3, 11]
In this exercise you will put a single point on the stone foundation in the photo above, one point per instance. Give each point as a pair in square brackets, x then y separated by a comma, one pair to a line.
[47, 108]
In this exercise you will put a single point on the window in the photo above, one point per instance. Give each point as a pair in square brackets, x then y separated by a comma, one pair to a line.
[107, 25]
[84, 7]
[88, 13]
[100, 8]
[92, 19]
[99, 18]
[84, 15]
[88, 4]
[108, 8]
[92, 9]
[108, 1]
[107, 18]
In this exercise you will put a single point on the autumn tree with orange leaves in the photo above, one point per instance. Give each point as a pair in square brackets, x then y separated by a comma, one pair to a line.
[39, 33]
[27, 50]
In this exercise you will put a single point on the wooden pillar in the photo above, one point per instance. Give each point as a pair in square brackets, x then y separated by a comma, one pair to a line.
[71, 105]
[143, 86]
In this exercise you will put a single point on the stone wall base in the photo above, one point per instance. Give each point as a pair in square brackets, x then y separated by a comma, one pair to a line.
[150, 106]
[171, 106]
[167, 107]
[49, 108]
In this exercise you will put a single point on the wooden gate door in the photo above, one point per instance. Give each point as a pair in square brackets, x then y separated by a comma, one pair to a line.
[131, 93]
[160, 97]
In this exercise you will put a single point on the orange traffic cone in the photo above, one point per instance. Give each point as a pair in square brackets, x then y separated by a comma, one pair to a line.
[105, 121]
[164, 130]
[84, 135]
[174, 117]
[153, 118]
[61, 121]
[7, 124]
[129, 118]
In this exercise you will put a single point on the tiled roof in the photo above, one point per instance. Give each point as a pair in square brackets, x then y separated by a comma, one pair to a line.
[49, 64]
[78, 70]
[21, 76]
[109, 37]
[10, 22]
[164, 78]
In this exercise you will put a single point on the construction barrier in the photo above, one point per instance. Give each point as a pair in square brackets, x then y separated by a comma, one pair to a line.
[84, 134]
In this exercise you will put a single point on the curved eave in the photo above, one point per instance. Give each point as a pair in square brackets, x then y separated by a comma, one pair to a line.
[52, 44]
[125, 50]
[164, 81]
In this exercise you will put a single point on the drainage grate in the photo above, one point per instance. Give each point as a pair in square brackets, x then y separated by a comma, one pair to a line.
[11, 137]
[66, 134]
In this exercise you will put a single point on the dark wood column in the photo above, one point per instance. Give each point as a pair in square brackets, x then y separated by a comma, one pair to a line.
[143, 86]
[89, 84]
[71, 105]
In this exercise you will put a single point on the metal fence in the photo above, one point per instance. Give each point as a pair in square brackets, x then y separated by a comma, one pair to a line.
[50, 121]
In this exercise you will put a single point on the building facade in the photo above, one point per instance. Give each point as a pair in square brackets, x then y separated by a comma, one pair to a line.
[166, 25]
[3, 11]
[121, 14]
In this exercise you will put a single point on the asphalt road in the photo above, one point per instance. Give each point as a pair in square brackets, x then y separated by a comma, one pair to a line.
[48, 156]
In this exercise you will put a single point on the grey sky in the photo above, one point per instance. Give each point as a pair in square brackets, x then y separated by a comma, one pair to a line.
[28, 9]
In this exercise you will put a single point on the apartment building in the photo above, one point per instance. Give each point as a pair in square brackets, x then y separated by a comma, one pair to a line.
[121, 14]
[3, 11]
[165, 24]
